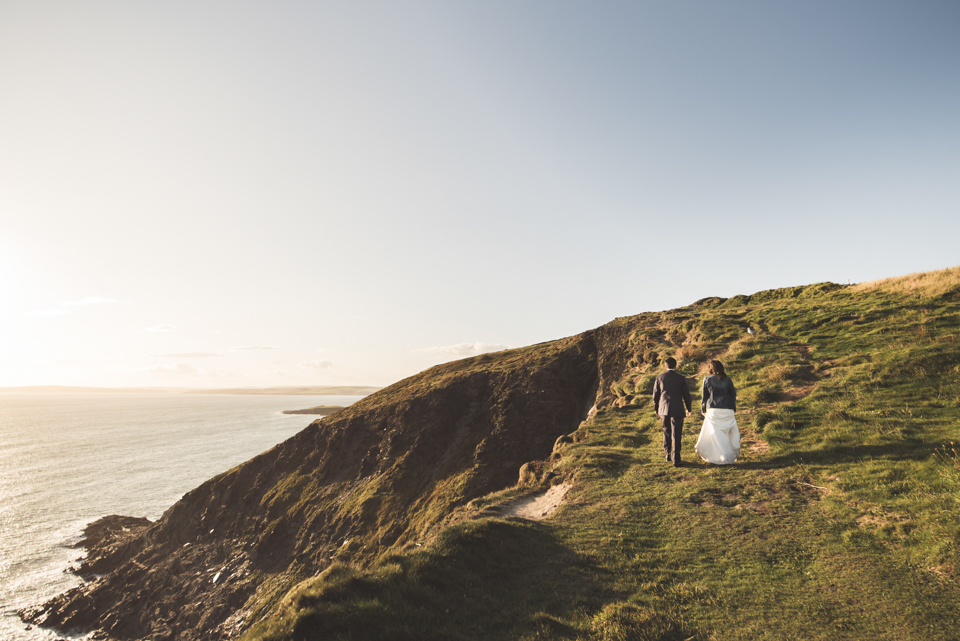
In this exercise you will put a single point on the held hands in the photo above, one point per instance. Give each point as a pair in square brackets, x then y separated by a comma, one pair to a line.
[688, 412]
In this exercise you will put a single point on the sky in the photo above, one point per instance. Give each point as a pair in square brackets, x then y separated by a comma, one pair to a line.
[217, 194]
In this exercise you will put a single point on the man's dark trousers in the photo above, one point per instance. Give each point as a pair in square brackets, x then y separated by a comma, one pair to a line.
[672, 431]
[671, 401]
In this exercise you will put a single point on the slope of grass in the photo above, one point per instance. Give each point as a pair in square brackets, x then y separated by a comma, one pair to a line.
[840, 521]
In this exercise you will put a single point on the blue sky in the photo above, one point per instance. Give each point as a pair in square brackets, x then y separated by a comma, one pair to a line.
[251, 193]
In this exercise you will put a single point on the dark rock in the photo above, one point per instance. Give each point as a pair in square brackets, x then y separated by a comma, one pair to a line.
[106, 541]
[563, 440]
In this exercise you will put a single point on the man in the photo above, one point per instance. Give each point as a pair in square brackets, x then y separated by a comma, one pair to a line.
[670, 395]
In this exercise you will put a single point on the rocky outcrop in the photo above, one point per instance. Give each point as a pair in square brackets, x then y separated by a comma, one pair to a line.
[371, 479]
[107, 540]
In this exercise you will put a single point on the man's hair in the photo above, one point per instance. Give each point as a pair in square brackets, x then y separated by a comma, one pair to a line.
[716, 367]
[671, 362]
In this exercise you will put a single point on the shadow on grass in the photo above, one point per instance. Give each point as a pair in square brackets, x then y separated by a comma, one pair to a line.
[846, 454]
[616, 462]
[488, 579]
[698, 464]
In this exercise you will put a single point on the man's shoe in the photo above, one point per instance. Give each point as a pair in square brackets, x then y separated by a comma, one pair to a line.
[678, 464]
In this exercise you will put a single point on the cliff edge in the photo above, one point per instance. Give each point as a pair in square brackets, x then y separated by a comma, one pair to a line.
[372, 479]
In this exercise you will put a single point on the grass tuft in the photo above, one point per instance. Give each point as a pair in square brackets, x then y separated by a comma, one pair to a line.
[927, 284]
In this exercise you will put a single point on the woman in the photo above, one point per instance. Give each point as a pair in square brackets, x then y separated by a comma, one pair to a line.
[719, 440]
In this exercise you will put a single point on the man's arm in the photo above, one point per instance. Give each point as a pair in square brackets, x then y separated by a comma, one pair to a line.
[656, 396]
[685, 393]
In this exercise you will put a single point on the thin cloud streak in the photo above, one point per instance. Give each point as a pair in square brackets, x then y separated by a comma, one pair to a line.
[46, 312]
[83, 302]
[89, 300]
[188, 355]
[185, 369]
[462, 350]
[244, 348]
[317, 364]
[176, 368]
[158, 329]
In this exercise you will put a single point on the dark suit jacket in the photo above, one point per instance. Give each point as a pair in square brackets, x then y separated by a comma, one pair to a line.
[670, 394]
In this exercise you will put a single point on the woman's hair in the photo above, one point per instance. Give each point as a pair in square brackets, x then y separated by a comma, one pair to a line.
[716, 367]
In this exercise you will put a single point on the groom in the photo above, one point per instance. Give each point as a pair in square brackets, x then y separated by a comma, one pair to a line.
[670, 395]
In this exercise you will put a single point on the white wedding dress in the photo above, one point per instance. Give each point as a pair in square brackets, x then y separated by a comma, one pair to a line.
[719, 441]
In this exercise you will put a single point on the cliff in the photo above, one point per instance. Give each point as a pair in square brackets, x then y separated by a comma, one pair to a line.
[385, 520]
[371, 479]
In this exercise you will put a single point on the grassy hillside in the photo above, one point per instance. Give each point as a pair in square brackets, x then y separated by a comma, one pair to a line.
[840, 521]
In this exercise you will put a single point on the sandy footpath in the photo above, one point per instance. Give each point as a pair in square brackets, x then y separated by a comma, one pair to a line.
[537, 506]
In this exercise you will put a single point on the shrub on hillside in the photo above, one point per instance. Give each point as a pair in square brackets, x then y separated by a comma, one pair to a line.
[758, 395]
[788, 372]
[644, 385]
[631, 622]
[762, 419]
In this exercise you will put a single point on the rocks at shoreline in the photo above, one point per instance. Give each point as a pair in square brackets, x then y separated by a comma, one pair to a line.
[104, 539]
[108, 544]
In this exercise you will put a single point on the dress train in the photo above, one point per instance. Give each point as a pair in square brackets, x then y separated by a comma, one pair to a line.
[719, 441]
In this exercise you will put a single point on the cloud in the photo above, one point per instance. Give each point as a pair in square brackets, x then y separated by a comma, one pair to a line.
[176, 368]
[156, 329]
[316, 364]
[186, 369]
[187, 355]
[47, 312]
[254, 347]
[89, 300]
[461, 350]
[54, 311]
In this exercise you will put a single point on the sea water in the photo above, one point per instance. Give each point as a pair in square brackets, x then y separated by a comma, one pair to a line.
[68, 459]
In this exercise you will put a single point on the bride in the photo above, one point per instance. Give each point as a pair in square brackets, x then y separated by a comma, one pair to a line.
[719, 440]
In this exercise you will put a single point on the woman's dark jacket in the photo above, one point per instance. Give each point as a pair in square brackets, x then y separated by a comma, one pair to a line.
[718, 393]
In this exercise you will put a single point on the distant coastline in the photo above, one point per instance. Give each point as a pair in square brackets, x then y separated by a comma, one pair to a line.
[258, 391]
[319, 410]
[71, 389]
[293, 391]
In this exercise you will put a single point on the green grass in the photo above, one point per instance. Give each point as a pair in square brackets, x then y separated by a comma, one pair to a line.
[840, 521]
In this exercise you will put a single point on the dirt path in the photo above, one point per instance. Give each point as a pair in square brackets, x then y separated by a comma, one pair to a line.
[537, 506]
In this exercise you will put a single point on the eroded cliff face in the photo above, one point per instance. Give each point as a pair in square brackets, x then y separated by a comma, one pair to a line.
[371, 479]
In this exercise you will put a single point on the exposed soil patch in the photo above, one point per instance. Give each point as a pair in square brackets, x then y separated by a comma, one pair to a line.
[712, 497]
[865, 520]
[796, 392]
[760, 507]
[755, 447]
[808, 491]
[942, 571]
[538, 506]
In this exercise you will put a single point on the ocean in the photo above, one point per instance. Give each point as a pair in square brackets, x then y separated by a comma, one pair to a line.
[68, 459]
